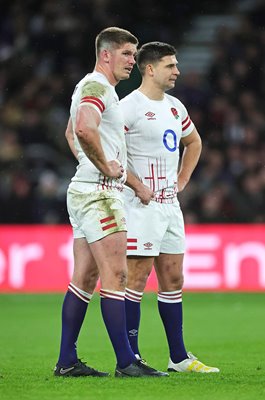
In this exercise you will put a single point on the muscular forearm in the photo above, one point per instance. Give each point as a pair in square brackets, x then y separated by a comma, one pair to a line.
[91, 145]
[190, 158]
[87, 122]
[144, 193]
[133, 182]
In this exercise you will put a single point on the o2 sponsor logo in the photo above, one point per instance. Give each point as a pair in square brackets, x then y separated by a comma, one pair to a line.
[170, 140]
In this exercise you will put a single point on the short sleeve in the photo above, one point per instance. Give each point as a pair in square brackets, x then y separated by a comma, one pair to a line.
[187, 124]
[95, 95]
[128, 112]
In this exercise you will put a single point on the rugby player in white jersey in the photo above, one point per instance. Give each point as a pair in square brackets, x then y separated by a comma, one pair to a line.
[95, 135]
[155, 125]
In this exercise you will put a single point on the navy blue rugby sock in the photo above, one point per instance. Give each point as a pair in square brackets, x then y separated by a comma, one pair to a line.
[170, 309]
[133, 315]
[113, 312]
[73, 314]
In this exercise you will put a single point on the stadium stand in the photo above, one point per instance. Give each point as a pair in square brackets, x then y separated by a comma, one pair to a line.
[44, 51]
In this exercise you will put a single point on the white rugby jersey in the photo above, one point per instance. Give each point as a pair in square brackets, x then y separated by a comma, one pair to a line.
[153, 131]
[94, 90]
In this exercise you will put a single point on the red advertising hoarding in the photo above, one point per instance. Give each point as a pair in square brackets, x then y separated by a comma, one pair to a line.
[39, 258]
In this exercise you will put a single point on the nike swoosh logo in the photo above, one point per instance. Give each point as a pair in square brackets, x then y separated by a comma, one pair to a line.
[65, 370]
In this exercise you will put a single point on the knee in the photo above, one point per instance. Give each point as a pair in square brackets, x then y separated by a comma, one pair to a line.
[121, 278]
[177, 282]
[138, 281]
[91, 281]
[86, 282]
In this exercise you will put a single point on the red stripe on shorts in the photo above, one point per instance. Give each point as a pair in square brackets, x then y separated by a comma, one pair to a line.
[104, 228]
[107, 219]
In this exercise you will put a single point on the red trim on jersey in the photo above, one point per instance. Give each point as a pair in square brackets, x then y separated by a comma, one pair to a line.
[125, 128]
[93, 100]
[104, 228]
[131, 240]
[185, 120]
[131, 247]
[104, 183]
[106, 219]
[186, 126]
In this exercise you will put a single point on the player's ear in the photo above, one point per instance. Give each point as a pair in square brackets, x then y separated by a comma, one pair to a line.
[149, 70]
[105, 55]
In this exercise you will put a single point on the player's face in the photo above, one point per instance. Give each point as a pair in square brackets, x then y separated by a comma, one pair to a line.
[122, 61]
[166, 72]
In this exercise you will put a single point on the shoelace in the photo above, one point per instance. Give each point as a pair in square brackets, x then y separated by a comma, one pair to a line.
[192, 356]
[145, 365]
[83, 363]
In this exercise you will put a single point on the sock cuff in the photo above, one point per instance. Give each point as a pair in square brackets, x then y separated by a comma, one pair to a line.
[170, 297]
[112, 294]
[85, 296]
[133, 295]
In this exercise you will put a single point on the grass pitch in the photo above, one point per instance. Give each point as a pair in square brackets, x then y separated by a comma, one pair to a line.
[224, 330]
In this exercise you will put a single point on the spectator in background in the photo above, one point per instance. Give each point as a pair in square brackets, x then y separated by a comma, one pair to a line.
[49, 202]
[19, 203]
[49, 44]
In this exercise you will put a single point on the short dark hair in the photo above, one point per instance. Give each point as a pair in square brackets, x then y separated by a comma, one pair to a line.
[152, 52]
[114, 37]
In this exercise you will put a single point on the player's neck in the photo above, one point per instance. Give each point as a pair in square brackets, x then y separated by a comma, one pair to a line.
[102, 69]
[153, 93]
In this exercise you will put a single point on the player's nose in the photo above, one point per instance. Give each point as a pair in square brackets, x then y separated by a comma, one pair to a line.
[177, 71]
[132, 60]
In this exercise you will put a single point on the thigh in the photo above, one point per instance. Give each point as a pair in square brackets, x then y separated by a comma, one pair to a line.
[169, 271]
[85, 273]
[139, 269]
[110, 256]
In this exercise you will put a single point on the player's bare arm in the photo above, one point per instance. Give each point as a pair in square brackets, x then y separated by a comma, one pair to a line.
[191, 154]
[142, 191]
[87, 122]
[69, 134]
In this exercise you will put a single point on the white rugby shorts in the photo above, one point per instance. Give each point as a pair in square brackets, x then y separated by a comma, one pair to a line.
[95, 214]
[153, 229]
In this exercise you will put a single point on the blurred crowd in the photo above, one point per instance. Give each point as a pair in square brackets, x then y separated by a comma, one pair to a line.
[228, 109]
[47, 46]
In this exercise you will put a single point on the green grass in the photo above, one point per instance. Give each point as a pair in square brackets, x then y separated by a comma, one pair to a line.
[224, 330]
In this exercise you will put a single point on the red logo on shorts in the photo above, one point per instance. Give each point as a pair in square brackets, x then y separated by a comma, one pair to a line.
[148, 246]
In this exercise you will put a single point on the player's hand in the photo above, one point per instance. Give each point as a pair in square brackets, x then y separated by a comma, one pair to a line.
[145, 194]
[115, 169]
